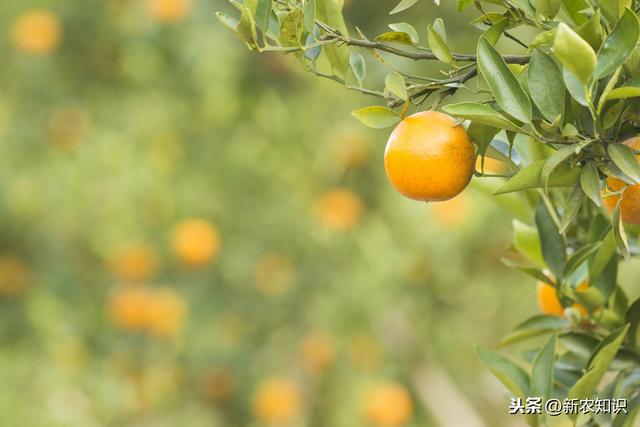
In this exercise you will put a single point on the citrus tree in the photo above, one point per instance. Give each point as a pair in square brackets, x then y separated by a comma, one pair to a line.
[562, 117]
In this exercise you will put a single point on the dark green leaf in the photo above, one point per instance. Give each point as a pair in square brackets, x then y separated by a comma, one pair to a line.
[503, 84]
[625, 159]
[542, 369]
[545, 85]
[618, 45]
[510, 374]
[553, 246]
[574, 202]
[480, 113]
[590, 182]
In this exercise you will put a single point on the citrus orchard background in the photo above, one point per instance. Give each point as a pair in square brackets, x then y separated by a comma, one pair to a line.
[194, 235]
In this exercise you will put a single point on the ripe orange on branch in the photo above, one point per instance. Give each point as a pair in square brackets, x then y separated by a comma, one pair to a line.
[549, 303]
[429, 157]
[630, 203]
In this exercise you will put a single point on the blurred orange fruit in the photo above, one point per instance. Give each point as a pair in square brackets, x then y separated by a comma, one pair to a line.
[549, 303]
[274, 274]
[217, 385]
[136, 262]
[67, 127]
[630, 203]
[195, 242]
[166, 312]
[339, 209]
[317, 352]
[452, 213]
[36, 31]
[169, 11]
[14, 276]
[388, 405]
[128, 308]
[429, 157]
[277, 401]
[160, 311]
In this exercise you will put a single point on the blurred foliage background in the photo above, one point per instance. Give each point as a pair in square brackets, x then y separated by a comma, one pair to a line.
[191, 234]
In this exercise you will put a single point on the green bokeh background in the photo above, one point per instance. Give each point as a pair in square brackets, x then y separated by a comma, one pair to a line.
[183, 121]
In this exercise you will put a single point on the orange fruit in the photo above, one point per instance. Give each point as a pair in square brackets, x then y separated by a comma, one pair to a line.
[128, 308]
[429, 157]
[549, 303]
[277, 401]
[14, 276]
[159, 311]
[165, 312]
[388, 405]
[36, 31]
[317, 352]
[274, 274]
[134, 263]
[630, 203]
[339, 209]
[195, 242]
[169, 11]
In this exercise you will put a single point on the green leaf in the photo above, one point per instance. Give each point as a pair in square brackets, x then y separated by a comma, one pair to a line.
[599, 363]
[358, 66]
[309, 9]
[291, 28]
[579, 257]
[591, 31]
[394, 82]
[624, 92]
[330, 12]
[376, 116]
[480, 113]
[481, 135]
[579, 344]
[531, 177]
[403, 5]
[527, 242]
[606, 250]
[548, 8]
[574, 53]
[542, 369]
[403, 27]
[438, 25]
[395, 37]
[553, 247]
[619, 232]
[555, 160]
[618, 45]
[246, 28]
[590, 182]
[633, 318]
[503, 84]
[614, 9]
[575, 9]
[510, 374]
[535, 326]
[463, 3]
[228, 21]
[263, 12]
[545, 85]
[536, 273]
[625, 159]
[574, 203]
[577, 90]
[438, 45]
[493, 34]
